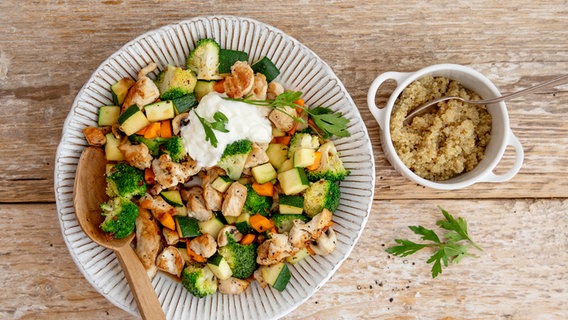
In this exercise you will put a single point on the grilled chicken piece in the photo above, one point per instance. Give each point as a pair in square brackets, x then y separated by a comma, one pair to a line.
[223, 236]
[234, 201]
[170, 236]
[196, 205]
[144, 91]
[137, 155]
[156, 204]
[241, 80]
[95, 136]
[326, 243]
[274, 250]
[147, 241]
[258, 277]
[302, 233]
[169, 174]
[259, 87]
[233, 286]
[213, 198]
[274, 89]
[170, 261]
[256, 157]
[204, 245]
[283, 118]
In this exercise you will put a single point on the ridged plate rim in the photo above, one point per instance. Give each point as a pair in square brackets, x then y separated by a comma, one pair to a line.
[301, 70]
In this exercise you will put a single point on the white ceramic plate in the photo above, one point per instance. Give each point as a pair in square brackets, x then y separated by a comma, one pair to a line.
[301, 69]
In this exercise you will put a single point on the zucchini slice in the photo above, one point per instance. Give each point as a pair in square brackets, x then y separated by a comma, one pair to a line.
[158, 111]
[227, 59]
[220, 267]
[120, 89]
[267, 68]
[264, 173]
[293, 181]
[132, 120]
[108, 115]
[290, 204]
[172, 197]
[184, 103]
[277, 275]
[111, 148]
[187, 227]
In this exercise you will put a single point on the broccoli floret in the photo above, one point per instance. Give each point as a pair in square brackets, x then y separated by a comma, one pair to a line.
[175, 148]
[199, 280]
[331, 167]
[256, 203]
[125, 181]
[284, 222]
[319, 195]
[158, 146]
[234, 157]
[241, 258]
[302, 140]
[204, 59]
[175, 82]
[120, 217]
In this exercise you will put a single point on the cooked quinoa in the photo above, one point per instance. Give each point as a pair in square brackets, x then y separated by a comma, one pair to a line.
[446, 142]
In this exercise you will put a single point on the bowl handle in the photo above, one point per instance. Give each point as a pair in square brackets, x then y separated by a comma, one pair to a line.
[519, 156]
[380, 113]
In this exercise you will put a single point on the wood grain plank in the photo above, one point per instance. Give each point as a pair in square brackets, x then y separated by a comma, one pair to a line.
[362, 40]
[521, 274]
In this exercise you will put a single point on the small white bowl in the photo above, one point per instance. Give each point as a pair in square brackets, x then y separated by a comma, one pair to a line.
[501, 134]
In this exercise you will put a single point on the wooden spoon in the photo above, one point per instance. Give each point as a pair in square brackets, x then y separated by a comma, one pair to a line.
[88, 194]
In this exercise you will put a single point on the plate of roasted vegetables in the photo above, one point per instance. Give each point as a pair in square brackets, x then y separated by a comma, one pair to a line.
[236, 157]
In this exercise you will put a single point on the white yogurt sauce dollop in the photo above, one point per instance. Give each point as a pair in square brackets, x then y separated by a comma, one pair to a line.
[246, 121]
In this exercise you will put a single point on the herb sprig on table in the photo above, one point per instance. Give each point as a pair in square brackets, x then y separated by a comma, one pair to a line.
[328, 122]
[453, 249]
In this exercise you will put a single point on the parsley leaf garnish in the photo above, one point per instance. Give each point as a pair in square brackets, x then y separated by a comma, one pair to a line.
[327, 122]
[453, 249]
[219, 125]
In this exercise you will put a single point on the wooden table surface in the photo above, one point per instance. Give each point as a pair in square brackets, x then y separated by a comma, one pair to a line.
[48, 50]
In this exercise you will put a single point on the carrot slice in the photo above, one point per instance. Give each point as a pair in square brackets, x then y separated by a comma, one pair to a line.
[149, 176]
[312, 124]
[317, 161]
[299, 102]
[265, 189]
[167, 221]
[219, 86]
[152, 130]
[260, 223]
[142, 131]
[294, 128]
[166, 129]
[194, 255]
[285, 140]
[247, 239]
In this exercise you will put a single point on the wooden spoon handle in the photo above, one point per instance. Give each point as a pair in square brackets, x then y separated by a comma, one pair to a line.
[140, 284]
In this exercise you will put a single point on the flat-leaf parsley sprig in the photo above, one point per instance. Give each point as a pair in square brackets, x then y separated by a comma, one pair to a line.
[219, 125]
[329, 122]
[453, 249]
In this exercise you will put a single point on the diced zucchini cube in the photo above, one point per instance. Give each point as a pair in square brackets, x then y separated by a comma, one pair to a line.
[264, 173]
[293, 181]
[304, 157]
[162, 110]
[132, 120]
[276, 275]
[222, 183]
[108, 115]
[112, 153]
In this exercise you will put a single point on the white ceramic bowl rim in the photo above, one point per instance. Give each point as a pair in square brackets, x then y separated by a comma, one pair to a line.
[501, 134]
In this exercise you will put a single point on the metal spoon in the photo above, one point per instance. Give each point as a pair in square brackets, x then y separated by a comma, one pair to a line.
[88, 194]
[424, 108]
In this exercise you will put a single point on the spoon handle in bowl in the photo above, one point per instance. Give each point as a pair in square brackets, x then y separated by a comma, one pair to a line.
[140, 284]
